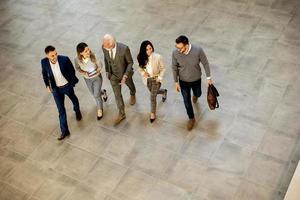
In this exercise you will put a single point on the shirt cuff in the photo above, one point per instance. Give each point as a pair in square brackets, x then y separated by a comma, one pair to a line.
[208, 78]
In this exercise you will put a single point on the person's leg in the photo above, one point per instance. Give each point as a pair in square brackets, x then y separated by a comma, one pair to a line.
[196, 87]
[186, 94]
[97, 85]
[69, 91]
[131, 86]
[59, 99]
[115, 83]
[154, 90]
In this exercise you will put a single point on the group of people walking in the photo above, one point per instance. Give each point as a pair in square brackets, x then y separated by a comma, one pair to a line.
[60, 78]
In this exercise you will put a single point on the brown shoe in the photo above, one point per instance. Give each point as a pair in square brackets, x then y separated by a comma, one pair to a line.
[195, 99]
[119, 119]
[190, 124]
[132, 100]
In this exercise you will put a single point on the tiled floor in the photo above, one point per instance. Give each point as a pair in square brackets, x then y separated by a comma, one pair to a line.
[247, 149]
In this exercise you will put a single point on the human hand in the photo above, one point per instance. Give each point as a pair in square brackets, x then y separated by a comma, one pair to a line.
[146, 75]
[123, 81]
[49, 89]
[209, 81]
[177, 87]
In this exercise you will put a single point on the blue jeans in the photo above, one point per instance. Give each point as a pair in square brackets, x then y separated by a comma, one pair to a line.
[186, 94]
[59, 97]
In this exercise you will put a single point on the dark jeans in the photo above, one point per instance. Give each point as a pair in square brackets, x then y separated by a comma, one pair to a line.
[186, 94]
[59, 97]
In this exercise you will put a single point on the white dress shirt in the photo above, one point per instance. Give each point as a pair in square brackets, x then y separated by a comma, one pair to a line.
[60, 80]
[113, 51]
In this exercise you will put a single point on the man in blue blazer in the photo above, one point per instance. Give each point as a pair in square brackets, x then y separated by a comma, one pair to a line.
[59, 77]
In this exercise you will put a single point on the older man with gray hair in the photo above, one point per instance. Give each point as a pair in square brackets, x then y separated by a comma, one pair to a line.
[118, 66]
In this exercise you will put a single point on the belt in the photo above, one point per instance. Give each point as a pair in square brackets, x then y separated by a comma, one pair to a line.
[63, 86]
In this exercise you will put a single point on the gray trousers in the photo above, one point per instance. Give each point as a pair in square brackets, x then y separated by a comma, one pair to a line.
[154, 88]
[115, 83]
[94, 85]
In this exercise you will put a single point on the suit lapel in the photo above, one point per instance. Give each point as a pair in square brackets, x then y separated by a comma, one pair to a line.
[49, 67]
[117, 52]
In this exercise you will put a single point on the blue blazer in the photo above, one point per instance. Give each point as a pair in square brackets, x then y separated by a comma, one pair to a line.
[66, 68]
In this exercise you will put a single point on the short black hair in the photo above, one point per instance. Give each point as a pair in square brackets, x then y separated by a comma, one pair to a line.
[182, 39]
[49, 48]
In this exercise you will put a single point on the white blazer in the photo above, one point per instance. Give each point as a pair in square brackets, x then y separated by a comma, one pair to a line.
[158, 68]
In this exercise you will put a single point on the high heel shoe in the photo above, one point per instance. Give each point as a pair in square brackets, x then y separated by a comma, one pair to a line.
[164, 97]
[104, 95]
[101, 115]
[152, 118]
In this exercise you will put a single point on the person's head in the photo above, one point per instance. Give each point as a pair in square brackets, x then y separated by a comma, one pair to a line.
[109, 41]
[83, 51]
[51, 53]
[146, 50]
[182, 43]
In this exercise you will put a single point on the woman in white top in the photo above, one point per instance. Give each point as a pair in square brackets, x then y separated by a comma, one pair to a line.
[152, 69]
[87, 65]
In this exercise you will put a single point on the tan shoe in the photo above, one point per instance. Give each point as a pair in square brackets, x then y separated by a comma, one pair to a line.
[119, 119]
[190, 124]
[195, 99]
[132, 99]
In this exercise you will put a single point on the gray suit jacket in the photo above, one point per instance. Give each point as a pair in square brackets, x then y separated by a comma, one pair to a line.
[121, 65]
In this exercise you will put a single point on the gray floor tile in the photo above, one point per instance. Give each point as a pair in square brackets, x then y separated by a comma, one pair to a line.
[27, 177]
[265, 170]
[9, 161]
[246, 133]
[105, 176]
[152, 159]
[84, 192]
[120, 148]
[56, 186]
[26, 142]
[167, 191]
[253, 191]
[232, 158]
[284, 145]
[8, 192]
[219, 184]
[70, 163]
[134, 185]
[49, 151]
[186, 173]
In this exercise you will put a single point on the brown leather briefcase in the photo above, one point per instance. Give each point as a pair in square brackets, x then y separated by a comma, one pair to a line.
[212, 94]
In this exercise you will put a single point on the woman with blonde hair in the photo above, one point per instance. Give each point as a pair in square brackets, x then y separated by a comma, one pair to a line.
[87, 65]
[152, 69]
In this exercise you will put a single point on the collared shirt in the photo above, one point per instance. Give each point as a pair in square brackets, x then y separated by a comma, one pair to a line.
[190, 47]
[113, 51]
[60, 80]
